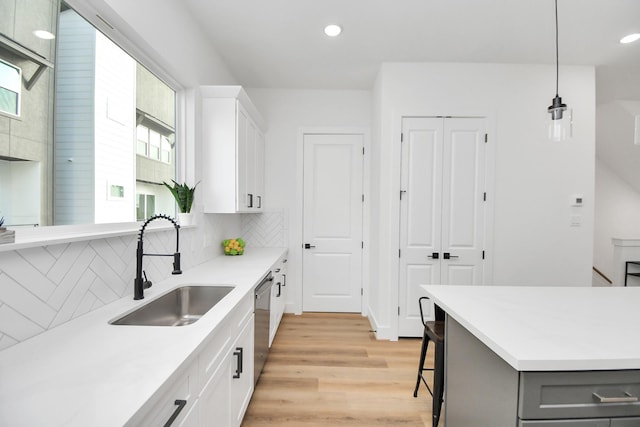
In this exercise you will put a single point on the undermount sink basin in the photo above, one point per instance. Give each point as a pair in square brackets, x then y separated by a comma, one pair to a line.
[181, 306]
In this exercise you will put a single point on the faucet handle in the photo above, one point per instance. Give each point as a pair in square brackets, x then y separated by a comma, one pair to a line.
[176, 264]
[146, 283]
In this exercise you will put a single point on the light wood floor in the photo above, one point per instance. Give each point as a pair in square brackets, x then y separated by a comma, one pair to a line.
[327, 369]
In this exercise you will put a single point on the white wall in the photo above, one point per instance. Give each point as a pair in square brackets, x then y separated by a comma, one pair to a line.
[617, 215]
[533, 242]
[287, 112]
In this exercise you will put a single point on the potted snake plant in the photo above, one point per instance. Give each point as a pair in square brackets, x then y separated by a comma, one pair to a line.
[183, 194]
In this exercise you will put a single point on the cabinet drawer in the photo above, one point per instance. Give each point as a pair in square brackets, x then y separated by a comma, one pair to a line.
[565, 423]
[581, 394]
[626, 422]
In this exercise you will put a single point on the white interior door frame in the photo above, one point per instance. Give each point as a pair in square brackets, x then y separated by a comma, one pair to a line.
[392, 273]
[295, 243]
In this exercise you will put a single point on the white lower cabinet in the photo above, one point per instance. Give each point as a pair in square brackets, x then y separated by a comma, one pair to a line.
[226, 366]
[241, 374]
[278, 297]
[215, 399]
[216, 386]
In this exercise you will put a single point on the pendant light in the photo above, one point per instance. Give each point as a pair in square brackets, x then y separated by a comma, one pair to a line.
[559, 125]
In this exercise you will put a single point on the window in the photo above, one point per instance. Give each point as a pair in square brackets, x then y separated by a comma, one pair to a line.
[153, 144]
[10, 87]
[143, 141]
[145, 206]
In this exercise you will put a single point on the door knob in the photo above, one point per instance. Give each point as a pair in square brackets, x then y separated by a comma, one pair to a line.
[434, 255]
[308, 246]
[447, 255]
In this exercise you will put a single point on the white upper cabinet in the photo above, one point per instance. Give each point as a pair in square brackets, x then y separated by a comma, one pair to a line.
[233, 149]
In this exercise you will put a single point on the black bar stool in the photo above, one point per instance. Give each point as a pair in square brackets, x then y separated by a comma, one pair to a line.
[433, 331]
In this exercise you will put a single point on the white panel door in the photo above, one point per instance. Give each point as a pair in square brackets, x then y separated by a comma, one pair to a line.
[441, 210]
[420, 207]
[462, 201]
[332, 222]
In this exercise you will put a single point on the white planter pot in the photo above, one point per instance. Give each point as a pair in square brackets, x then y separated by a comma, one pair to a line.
[185, 219]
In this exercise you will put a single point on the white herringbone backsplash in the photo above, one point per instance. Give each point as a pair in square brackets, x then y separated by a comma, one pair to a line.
[46, 286]
[267, 229]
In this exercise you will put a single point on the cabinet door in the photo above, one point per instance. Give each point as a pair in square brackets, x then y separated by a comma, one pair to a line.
[173, 403]
[250, 166]
[243, 148]
[276, 306]
[191, 419]
[215, 403]
[259, 171]
[241, 373]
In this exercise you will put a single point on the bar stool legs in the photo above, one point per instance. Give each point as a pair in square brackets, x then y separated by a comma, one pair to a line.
[433, 331]
[438, 383]
[423, 356]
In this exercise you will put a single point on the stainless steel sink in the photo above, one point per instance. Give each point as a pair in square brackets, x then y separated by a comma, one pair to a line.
[181, 306]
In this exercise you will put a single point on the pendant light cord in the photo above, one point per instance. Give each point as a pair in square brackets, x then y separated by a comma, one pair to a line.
[557, 54]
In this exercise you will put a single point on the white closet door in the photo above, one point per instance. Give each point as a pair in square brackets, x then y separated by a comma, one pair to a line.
[420, 224]
[441, 209]
[462, 201]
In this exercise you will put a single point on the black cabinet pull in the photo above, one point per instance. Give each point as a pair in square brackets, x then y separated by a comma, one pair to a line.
[447, 255]
[259, 202]
[180, 403]
[279, 290]
[308, 246]
[249, 200]
[238, 354]
[284, 280]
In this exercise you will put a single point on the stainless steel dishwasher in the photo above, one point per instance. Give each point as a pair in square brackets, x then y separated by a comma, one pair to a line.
[262, 311]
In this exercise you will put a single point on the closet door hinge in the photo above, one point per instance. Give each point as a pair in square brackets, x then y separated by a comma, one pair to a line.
[484, 196]
[486, 138]
[482, 254]
[363, 198]
[399, 253]
[363, 151]
[402, 137]
[361, 291]
[362, 245]
[398, 310]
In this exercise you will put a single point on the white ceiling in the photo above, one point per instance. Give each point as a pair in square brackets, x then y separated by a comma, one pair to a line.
[280, 43]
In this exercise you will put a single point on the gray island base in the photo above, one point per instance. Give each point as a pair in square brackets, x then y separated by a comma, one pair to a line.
[506, 368]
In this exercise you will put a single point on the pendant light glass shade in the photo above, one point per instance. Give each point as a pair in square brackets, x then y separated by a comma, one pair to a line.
[559, 123]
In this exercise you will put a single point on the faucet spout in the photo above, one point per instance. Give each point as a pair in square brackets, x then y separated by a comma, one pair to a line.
[139, 285]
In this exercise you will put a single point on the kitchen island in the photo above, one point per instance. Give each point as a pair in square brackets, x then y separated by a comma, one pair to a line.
[541, 356]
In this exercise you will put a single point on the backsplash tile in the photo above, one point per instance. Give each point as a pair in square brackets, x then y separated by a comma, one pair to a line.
[267, 229]
[43, 287]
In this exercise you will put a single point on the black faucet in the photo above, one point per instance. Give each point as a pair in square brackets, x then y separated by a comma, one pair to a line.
[140, 285]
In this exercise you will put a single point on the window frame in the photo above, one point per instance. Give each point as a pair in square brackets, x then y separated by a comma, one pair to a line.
[99, 13]
[19, 88]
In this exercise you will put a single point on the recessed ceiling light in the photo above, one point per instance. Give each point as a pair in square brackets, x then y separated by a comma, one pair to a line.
[332, 30]
[630, 38]
[45, 35]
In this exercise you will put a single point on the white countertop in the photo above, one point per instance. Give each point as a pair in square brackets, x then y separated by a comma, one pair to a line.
[90, 373]
[550, 328]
